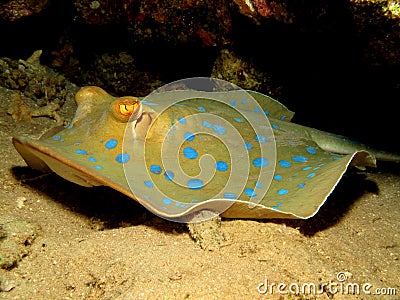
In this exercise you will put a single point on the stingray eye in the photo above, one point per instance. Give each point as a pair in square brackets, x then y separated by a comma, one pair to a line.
[126, 109]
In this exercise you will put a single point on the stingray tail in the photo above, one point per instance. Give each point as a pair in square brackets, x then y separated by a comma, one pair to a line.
[343, 145]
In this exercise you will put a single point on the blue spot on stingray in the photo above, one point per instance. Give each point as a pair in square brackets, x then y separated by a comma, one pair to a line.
[238, 120]
[243, 100]
[230, 196]
[190, 153]
[300, 158]
[274, 126]
[283, 192]
[259, 185]
[111, 144]
[278, 177]
[262, 139]
[180, 204]
[336, 158]
[70, 126]
[195, 184]
[311, 175]
[155, 169]
[250, 192]
[260, 162]
[311, 150]
[92, 159]
[279, 204]
[62, 140]
[257, 109]
[248, 146]
[233, 102]
[188, 136]
[206, 124]
[167, 201]
[99, 167]
[221, 166]
[122, 158]
[80, 151]
[285, 164]
[307, 168]
[320, 165]
[179, 104]
[169, 175]
[266, 112]
[283, 118]
[219, 129]
[148, 103]
[194, 200]
[316, 168]
[182, 120]
[301, 185]
[56, 137]
[201, 108]
[149, 184]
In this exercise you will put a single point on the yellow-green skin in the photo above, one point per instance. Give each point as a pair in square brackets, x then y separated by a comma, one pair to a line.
[262, 165]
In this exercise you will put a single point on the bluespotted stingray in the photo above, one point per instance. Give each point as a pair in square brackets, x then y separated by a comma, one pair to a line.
[181, 152]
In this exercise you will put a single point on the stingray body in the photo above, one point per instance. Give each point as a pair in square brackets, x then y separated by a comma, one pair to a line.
[179, 152]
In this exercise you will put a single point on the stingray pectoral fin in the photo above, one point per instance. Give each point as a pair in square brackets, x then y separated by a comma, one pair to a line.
[51, 132]
[242, 209]
[44, 161]
[303, 193]
[363, 159]
[31, 159]
[271, 107]
[320, 183]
